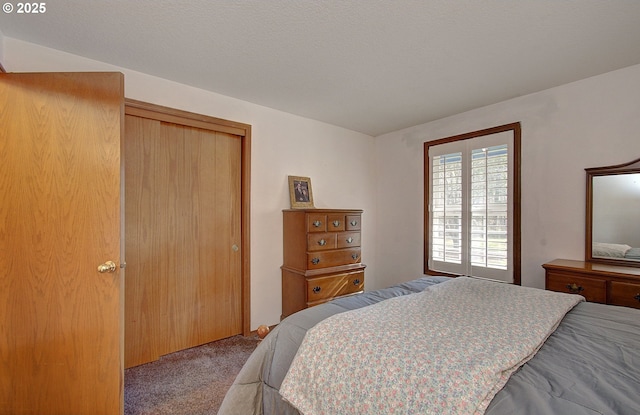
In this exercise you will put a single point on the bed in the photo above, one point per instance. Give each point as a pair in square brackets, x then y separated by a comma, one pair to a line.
[589, 364]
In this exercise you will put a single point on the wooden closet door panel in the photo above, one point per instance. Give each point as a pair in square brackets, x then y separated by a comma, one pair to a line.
[191, 218]
[204, 288]
[175, 273]
[227, 299]
[143, 175]
[184, 192]
[202, 197]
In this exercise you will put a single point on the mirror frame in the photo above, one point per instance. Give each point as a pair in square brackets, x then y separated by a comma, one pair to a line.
[631, 167]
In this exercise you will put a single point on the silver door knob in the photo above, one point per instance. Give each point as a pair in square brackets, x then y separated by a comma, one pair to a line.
[108, 266]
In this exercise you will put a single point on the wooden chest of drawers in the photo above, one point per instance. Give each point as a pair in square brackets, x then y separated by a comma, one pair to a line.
[600, 283]
[322, 257]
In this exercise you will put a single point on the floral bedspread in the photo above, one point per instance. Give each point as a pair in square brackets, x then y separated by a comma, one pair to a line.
[446, 350]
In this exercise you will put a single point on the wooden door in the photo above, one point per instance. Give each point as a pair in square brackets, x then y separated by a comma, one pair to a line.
[61, 348]
[183, 236]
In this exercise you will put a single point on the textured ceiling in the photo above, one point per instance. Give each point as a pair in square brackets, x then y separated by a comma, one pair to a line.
[366, 65]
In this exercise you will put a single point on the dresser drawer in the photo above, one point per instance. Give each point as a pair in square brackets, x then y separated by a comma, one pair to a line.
[316, 222]
[320, 290]
[335, 222]
[602, 283]
[321, 241]
[348, 239]
[624, 294]
[592, 289]
[352, 223]
[326, 259]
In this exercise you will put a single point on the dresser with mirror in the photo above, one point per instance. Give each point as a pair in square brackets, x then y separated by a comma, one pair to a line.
[610, 272]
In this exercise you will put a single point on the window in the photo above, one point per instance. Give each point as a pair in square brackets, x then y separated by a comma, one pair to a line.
[472, 204]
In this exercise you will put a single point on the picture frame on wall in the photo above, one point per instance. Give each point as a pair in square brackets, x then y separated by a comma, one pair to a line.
[300, 192]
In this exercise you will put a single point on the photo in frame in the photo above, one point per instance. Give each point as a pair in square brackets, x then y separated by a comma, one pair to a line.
[300, 192]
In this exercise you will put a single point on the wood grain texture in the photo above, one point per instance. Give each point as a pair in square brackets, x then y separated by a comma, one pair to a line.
[61, 349]
[592, 289]
[624, 293]
[184, 213]
[243, 131]
[142, 295]
[325, 288]
[321, 256]
[597, 282]
[317, 260]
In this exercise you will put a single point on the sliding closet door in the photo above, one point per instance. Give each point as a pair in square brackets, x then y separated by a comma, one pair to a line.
[183, 237]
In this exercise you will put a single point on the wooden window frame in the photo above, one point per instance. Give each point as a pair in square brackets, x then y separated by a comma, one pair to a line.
[517, 218]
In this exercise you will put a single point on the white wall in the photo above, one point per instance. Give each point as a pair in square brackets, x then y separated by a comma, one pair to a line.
[2, 49]
[593, 122]
[589, 123]
[338, 161]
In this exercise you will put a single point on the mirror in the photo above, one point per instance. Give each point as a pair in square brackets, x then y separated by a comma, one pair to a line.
[613, 214]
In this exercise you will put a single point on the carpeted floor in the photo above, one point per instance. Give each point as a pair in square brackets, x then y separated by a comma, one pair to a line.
[188, 382]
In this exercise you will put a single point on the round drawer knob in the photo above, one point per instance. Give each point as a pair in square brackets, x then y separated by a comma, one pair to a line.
[316, 290]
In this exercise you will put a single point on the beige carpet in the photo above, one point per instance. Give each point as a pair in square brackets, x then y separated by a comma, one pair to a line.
[189, 382]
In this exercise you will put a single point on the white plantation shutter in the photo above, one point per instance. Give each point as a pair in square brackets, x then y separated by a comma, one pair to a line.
[470, 207]
[446, 209]
[489, 216]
